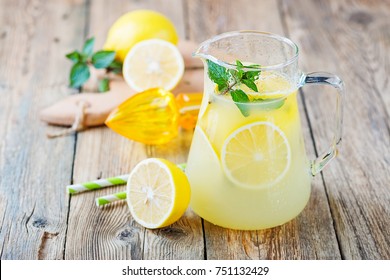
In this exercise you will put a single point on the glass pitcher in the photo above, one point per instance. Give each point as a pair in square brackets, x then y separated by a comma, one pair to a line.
[247, 165]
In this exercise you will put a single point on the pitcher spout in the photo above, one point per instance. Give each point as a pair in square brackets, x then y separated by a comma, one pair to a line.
[213, 49]
[201, 52]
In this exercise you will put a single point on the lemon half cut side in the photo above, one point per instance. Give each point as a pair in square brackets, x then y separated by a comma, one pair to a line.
[256, 155]
[153, 63]
[158, 193]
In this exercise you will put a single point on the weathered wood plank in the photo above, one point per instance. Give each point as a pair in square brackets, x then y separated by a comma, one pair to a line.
[352, 38]
[184, 239]
[110, 232]
[209, 18]
[33, 168]
[107, 232]
[311, 235]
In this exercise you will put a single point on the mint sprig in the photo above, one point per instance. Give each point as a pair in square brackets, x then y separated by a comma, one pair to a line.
[228, 79]
[86, 58]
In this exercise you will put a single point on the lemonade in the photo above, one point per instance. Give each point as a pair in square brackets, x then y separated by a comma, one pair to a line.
[249, 172]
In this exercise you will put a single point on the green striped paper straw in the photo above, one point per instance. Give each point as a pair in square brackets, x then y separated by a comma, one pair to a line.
[103, 200]
[98, 184]
[182, 166]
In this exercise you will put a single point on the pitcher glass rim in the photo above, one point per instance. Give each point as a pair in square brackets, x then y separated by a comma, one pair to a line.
[280, 38]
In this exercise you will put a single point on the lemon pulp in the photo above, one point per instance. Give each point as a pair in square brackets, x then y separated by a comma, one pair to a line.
[256, 147]
[153, 63]
[158, 193]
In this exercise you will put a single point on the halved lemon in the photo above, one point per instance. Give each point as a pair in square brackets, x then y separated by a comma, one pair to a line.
[158, 193]
[153, 63]
[256, 155]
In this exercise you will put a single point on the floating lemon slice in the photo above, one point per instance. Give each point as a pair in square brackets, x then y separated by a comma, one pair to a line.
[158, 193]
[153, 63]
[256, 155]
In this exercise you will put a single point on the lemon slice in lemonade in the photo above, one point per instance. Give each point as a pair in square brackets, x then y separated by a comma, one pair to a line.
[256, 155]
[153, 63]
[158, 193]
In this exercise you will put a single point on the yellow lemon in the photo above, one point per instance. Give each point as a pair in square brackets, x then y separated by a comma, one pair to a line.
[256, 155]
[137, 26]
[153, 63]
[158, 193]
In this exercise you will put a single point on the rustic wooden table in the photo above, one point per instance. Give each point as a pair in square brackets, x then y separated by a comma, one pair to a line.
[348, 214]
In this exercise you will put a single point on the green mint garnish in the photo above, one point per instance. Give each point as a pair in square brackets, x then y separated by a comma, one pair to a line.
[88, 46]
[115, 67]
[276, 104]
[103, 85]
[240, 96]
[74, 56]
[79, 74]
[218, 75]
[82, 60]
[227, 79]
[102, 59]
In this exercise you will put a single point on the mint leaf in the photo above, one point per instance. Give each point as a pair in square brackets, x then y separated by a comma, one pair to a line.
[250, 84]
[74, 56]
[88, 46]
[115, 66]
[103, 59]
[227, 79]
[218, 75]
[234, 74]
[271, 105]
[103, 85]
[240, 96]
[79, 74]
[276, 104]
[252, 75]
[240, 72]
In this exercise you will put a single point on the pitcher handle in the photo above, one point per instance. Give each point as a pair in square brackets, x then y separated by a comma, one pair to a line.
[328, 79]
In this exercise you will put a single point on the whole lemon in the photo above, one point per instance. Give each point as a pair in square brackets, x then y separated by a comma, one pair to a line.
[137, 26]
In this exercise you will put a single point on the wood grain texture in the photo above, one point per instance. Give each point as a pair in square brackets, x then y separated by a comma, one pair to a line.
[109, 232]
[355, 45]
[311, 235]
[208, 18]
[184, 239]
[349, 210]
[34, 169]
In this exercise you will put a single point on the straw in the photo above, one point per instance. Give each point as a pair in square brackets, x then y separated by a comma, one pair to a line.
[98, 184]
[102, 183]
[182, 166]
[103, 200]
